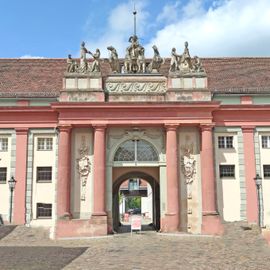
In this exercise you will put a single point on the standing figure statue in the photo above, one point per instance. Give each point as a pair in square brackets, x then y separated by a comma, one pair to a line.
[128, 62]
[175, 61]
[95, 65]
[141, 60]
[113, 60]
[185, 63]
[132, 49]
[134, 59]
[156, 62]
[71, 65]
[83, 59]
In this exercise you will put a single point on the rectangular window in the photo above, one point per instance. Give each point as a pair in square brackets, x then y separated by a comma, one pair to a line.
[45, 144]
[44, 210]
[3, 144]
[225, 141]
[3, 175]
[133, 184]
[265, 141]
[44, 174]
[226, 171]
[266, 171]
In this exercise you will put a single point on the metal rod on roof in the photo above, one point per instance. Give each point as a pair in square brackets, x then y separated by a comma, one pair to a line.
[135, 19]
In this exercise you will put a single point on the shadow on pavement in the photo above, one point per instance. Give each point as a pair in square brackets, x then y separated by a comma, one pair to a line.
[37, 258]
[5, 230]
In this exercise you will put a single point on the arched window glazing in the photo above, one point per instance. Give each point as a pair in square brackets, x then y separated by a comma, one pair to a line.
[136, 150]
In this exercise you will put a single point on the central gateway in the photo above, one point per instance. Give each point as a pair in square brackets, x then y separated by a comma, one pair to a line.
[148, 119]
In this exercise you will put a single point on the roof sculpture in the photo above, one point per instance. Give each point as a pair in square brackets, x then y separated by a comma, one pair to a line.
[135, 61]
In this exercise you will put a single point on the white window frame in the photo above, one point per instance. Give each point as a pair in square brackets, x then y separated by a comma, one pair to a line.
[264, 170]
[267, 141]
[225, 142]
[226, 176]
[3, 144]
[47, 144]
[42, 170]
[46, 207]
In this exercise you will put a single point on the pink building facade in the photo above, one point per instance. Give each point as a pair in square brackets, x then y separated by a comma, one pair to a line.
[197, 133]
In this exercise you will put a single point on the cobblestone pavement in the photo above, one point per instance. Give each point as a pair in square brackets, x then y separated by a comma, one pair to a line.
[240, 248]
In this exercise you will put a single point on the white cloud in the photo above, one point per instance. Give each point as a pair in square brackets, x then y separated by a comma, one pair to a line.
[120, 28]
[169, 13]
[227, 28]
[28, 56]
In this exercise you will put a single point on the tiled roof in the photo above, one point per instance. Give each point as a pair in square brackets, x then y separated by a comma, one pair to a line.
[44, 77]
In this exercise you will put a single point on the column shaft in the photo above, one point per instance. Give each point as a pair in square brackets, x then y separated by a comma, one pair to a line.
[172, 214]
[64, 175]
[208, 176]
[99, 171]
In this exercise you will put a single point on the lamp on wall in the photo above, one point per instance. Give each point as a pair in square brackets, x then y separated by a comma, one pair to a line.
[11, 184]
[258, 182]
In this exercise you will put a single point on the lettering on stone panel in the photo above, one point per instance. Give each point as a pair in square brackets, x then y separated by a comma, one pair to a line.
[83, 166]
[136, 87]
[188, 165]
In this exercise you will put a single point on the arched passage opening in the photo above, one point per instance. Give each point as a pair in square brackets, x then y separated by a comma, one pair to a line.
[135, 173]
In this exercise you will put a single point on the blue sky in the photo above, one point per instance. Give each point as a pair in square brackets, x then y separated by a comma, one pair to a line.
[55, 28]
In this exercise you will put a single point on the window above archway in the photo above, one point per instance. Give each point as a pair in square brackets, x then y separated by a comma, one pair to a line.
[136, 150]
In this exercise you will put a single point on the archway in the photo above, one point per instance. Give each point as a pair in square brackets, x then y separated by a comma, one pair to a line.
[135, 173]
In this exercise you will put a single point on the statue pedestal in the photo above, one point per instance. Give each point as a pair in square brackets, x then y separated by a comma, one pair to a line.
[82, 88]
[188, 87]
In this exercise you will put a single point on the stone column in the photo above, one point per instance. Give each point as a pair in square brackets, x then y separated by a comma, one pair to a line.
[211, 223]
[19, 209]
[64, 174]
[99, 170]
[250, 173]
[172, 214]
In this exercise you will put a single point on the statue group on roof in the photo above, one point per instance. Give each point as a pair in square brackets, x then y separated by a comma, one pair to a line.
[134, 61]
[184, 63]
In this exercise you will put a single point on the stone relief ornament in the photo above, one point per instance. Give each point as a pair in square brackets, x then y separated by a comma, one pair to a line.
[85, 66]
[113, 59]
[136, 87]
[188, 164]
[83, 167]
[184, 63]
[156, 62]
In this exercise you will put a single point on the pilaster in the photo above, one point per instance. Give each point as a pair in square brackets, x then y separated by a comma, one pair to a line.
[19, 214]
[211, 223]
[250, 173]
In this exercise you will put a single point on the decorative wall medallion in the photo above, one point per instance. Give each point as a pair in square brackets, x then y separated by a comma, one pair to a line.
[188, 164]
[83, 167]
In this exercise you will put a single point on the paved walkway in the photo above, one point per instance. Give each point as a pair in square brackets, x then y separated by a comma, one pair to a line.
[240, 248]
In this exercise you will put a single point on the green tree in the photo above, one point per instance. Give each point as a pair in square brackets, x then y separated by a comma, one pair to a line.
[133, 202]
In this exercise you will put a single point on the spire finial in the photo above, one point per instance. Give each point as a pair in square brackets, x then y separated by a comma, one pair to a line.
[135, 22]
